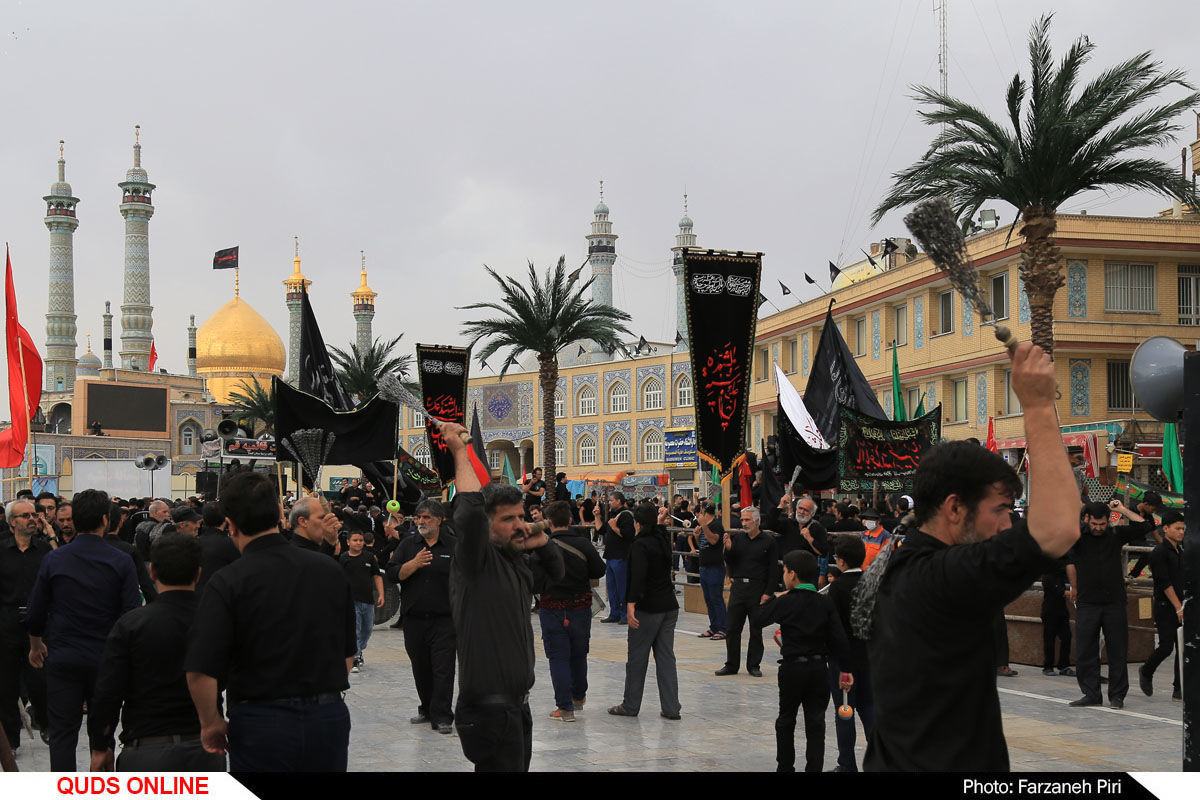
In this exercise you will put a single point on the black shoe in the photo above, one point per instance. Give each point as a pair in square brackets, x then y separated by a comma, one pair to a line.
[419, 719]
[1049, 671]
[1086, 701]
[755, 671]
[45, 735]
[725, 671]
[665, 715]
[398, 624]
[1175, 695]
[1116, 704]
[1067, 671]
[1145, 681]
[444, 727]
[607, 620]
[622, 621]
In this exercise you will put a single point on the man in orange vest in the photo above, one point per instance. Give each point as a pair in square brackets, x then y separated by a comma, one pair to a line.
[876, 537]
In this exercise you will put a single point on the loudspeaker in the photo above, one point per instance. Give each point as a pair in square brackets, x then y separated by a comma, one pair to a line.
[206, 483]
[209, 435]
[1156, 373]
[227, 429]
[160, 462]
[148, 462]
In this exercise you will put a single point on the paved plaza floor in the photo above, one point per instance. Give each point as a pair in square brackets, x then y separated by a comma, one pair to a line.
[728, 723]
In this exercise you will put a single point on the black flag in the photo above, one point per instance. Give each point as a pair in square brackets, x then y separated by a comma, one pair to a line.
[582, 350]
[889, 247]
[226, 259]
[678, 337]
[574, 276]
[833, 272]
[762, 298]
[641, 343]
[836, 381]
[443, 372]
[785, 289]
[317, 376]
[477, 436]
[868, 255]
[809, 278]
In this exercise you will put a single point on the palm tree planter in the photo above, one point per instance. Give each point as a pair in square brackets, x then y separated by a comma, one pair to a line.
[541, 319]
[1061, 143]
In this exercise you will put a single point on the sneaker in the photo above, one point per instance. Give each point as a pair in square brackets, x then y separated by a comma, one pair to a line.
[1085, 701]
[578, 704]
[355, 667]
[1006, 672]
[562, 715]
[1145, 681]
[1050, 671]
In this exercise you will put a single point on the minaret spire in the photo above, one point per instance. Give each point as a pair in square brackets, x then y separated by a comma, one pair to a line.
[137, 315]
[683, 239]
[364, 308]
[295, 286]
[61, 362]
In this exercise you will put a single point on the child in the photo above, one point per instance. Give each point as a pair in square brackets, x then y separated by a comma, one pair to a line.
[811, 632]
[1056, 621]
[366, 585]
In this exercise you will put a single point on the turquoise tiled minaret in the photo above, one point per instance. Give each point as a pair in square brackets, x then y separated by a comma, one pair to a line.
[108, 337]
[602, 253]
[295, 286]
[364, 310]
[137, 315]
[60, 310]
[685, 238]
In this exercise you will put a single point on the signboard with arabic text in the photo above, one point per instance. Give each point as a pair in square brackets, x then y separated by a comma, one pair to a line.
[872, 449]
[443, 373]
[249, 448]
[679, 448]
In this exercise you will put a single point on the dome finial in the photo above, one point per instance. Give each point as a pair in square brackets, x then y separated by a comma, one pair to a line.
[62, 163]
[602, 190]
[685, 201]
[89, 337]
[297, 238]
[137, 145]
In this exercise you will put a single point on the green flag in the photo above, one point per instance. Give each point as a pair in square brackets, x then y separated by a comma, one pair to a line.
[920, 412]
[506, 471]
[716, 479]
[1172, 461]
[898, 412]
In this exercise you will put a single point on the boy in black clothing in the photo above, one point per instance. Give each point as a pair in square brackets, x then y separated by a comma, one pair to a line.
[1056, 620]
[811, 632]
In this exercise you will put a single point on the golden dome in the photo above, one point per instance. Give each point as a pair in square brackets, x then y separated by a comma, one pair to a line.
[234, 345]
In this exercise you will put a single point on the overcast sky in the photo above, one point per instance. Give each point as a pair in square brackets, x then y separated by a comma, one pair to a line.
[439, 137]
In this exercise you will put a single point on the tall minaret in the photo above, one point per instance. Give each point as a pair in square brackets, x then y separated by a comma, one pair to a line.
[364, 309]
[295, 285]
[191, 359]
[685, 238]
[108, 338]
[60, 310]
[602, 252]
[137, 320]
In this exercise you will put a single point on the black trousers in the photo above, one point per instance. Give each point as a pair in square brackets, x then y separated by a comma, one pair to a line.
[496, 737]
[68, 687]
[744, 598]
[1000, 638]
[802, 684]
[169, 757]
[1090, 619]
[430, 645]
[1056, 627]
[1167, 623]
[16, 677]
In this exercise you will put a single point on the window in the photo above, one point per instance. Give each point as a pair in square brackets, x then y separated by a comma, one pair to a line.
[999, 292]
[683, 391]
[792, 361]
[418, 419]
[1129, 287]
[560, 452]
[618, 398]
[764, 365]
[618, 448]
[587, 403]
[1189, 294]
[860, 336]
[560, 404]
[912, 399]
[900, 324]
[960, 400]
[652, 395]
[1120, 390]
[945, 312]
[587, 450]
[493, 457]
[1012, 405]
[421, 453]
[652, 445]
[187, 440]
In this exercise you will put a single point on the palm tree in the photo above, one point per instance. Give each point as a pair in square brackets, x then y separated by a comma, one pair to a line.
[360, 370]
[254, 404]
[1062, 142]
[542, 319]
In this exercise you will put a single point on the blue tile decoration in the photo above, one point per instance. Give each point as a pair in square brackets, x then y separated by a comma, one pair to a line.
[876, 335]
[968, 312]
[1023, 314]
[1076, 288]
[1080, 370]
[525, 413]
[584, 427]
[613, 375]
[804, 359]
[646, 373]
[644, 425]
[930, 397]
[683, 421]
[981, 414]
[680, 368]
[918, 322]
[888, 406]
[414, 439]
[498, 406]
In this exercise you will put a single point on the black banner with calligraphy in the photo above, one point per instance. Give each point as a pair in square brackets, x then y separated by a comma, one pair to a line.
[721, 296]
[317, 375]
[836, 380]
[818, 469]
[249, 448]
[872, 449]
[443, 372]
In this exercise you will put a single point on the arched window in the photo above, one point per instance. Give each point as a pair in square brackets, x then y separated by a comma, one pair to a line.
[421, 453]
[587, 402]
[560, 452]
[493, 457]
[683, 391]
[587, 451]
[652, 395]
[560, 404]
[618, 448]
[189, 433]
[418, 419]
[618, 398]
[652, 445]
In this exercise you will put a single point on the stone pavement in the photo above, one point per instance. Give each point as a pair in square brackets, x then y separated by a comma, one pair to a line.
[728, 723]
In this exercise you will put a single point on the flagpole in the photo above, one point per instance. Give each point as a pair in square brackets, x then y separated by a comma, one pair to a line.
[28, 421]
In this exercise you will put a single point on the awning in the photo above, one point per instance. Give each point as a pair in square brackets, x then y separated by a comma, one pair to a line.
[1087, 442]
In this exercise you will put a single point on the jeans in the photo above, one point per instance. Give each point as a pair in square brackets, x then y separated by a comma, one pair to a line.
[68, 687]
[567, 636]
[655, 631]
[862, 699]
[289, 736]
[712, 584]
[616, 576]
[1167, 623]
[495, 738]
[1090, 618]
[801, 684]
[364, 621]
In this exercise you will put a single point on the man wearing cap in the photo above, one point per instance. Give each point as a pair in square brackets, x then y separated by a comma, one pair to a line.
[187, 519]
[875, 537]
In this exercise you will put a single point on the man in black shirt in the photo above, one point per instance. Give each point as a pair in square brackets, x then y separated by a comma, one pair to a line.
[218, 549]
[498, 565]
[421, 565]
[937, 709]
[20, 557]
[366, 588]
[565, 612]
[1168, 600]
[708, 539]
[312, 527]
[753, 560]
[1097, 577]
[618, 538]
[276, 627]
[142, 670]
[534, 489]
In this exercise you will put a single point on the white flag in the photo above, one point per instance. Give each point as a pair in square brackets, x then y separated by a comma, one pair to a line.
[797, 412]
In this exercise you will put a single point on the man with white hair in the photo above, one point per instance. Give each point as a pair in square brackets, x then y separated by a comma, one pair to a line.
[752, 557]
[312, 528]
[20, 557]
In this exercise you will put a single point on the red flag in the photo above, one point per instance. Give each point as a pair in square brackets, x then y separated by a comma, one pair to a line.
[746, 494]
[481, 470]
[24, 377]
[153, 356]
[990, 444]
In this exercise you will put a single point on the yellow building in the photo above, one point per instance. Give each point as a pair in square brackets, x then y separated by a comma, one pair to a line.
[1127, 279]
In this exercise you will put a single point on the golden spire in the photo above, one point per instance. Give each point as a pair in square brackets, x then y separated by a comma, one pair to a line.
[364, 293]
[296, 282]
[89, 342]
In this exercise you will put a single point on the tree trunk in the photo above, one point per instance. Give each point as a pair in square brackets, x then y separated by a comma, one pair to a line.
[548, 380]
[1040, 272]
